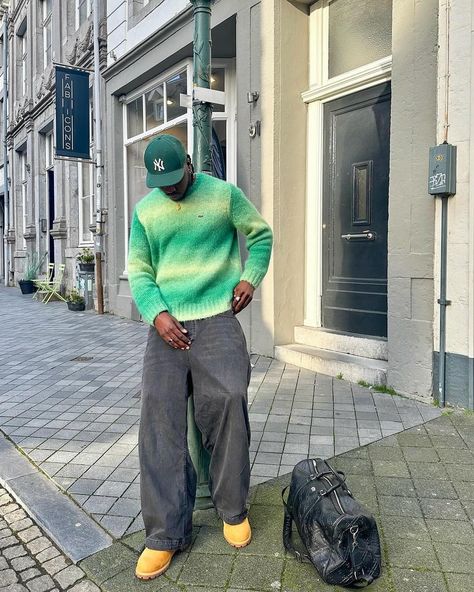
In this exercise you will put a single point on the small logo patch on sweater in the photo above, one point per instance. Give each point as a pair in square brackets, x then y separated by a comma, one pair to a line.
[200, 215]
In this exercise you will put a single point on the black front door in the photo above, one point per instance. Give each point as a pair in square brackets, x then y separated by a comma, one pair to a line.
[355, 212]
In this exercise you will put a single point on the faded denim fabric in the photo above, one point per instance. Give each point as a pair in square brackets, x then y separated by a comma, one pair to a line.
[216, 369]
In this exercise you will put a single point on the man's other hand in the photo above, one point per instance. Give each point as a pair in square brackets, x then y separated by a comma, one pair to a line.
[171, 331]
[243, 294]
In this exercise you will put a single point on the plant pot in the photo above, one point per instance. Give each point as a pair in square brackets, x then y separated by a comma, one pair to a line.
[27, 286]
[89, 267]
[77, 306]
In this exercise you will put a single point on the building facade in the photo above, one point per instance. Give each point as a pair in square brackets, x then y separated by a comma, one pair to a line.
[331, 108]
[52, 209]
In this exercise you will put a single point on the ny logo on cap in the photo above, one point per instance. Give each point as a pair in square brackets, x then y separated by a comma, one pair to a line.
[159, 165]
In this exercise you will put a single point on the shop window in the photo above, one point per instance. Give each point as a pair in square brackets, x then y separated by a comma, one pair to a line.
[157, 110]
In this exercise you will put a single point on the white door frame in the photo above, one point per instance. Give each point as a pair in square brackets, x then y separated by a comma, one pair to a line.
[321, 91]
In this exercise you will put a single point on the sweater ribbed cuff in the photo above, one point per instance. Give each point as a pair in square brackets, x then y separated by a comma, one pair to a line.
[151, 309]
[253, 277]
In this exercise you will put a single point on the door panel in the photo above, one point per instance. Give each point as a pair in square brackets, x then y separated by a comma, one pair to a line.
[355, 212]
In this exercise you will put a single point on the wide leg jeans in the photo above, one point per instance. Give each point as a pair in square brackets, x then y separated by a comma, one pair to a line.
[216, 369]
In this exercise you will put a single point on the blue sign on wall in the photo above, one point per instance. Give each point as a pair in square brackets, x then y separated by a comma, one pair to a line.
[72, 113]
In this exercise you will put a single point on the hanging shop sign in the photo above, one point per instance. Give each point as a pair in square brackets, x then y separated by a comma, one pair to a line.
[72, 113]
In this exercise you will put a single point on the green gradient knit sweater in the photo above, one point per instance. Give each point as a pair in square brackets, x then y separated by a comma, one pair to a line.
[184, 256]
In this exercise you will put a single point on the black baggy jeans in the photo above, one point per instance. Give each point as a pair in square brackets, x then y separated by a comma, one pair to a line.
[216, 369]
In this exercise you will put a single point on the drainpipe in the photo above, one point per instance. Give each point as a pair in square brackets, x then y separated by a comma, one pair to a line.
[202, 124]
[6, 214]
[99, 247]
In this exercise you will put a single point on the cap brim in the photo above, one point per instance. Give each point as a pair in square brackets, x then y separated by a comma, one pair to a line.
[164, 180]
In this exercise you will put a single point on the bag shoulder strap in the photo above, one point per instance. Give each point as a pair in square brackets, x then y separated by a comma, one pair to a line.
[287, 532]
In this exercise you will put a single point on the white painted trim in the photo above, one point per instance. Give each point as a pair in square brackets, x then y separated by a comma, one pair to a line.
[321, 92]
[125, 181]
[356, 80]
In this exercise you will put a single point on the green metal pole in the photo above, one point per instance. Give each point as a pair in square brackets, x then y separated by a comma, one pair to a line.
[202, 124]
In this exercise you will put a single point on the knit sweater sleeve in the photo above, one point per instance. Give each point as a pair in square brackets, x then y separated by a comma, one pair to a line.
[258, 233]
[141, 276]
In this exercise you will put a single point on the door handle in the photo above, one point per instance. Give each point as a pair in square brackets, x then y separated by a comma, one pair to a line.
[365, 235]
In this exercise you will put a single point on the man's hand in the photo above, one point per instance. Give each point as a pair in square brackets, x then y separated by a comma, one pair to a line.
[243, 294]
[171, 331]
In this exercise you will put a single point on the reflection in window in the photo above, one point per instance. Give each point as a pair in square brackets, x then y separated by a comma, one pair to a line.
[174, 87]
[135, 117]
[155, 108]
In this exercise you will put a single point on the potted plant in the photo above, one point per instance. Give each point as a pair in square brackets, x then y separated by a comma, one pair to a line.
[86, 259]
[32, 266]
[75, 301]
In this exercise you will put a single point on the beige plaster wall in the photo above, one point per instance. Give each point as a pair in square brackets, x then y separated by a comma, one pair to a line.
[460, 275]
[285, 65]
[411, 210]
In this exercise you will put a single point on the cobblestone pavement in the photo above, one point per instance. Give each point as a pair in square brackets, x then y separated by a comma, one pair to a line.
[29, 562]
[419, 484]
[69, 399]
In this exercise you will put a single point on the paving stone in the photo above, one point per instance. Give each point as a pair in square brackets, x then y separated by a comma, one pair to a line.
[443, 509]
[200, 568]
[451, 531]
[262, 573]
[47, 554]
[108, 563]
[21, 525]
[30, 534]
[399, 506]
[38, 545]
[55, 565]
[29, 574]
[404, 527]
[8, 542]
[385, 468]
[14, 516]
[15, 551]
[84, 587]
[458, 582]
[407, 553]
[4, 564]
[302, 577]
[409, 580]
[22, 563]
[8, 577]
[69, 576]
[455, 557]
[435, 489]
[41, 584]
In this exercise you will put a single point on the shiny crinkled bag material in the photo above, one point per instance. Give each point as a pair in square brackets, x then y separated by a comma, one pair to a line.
[339, 534]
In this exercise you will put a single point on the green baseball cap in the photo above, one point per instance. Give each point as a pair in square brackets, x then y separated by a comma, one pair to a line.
[165, 158]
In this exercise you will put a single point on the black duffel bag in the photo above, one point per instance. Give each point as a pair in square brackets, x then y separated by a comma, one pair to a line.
[340, 536]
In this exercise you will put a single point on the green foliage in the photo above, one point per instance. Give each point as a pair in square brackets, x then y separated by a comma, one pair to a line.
[379, 388]
[33, 265]
[74, 297]
[340, 376]
[85, 255]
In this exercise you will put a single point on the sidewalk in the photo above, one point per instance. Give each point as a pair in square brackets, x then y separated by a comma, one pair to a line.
[420, 486]
[70, 400]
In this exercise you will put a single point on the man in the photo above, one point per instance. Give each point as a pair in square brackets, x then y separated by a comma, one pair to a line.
[187, 281]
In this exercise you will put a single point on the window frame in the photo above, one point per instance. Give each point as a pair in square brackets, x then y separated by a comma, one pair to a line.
[46, 21]
[24, 194]
[79, 3]
[81, 196]
[24, 62]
